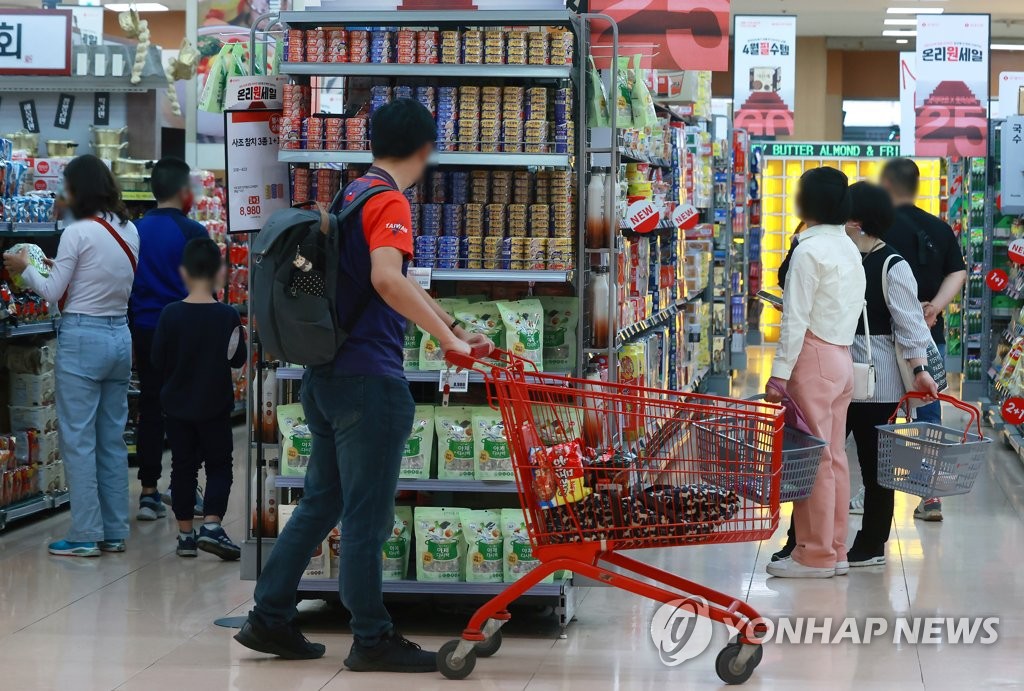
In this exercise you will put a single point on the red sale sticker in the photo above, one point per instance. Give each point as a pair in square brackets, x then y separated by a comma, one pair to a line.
[686, 217]
[642, 216]
[997, 280]
[1016, 251]
[1013, 410]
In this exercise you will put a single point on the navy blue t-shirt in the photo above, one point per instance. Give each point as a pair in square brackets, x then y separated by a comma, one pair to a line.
[162, 237]
[376, 331]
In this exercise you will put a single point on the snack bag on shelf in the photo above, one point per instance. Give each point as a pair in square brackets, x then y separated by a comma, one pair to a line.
[431, 355]
[396, 547]
[455, 450]
[419, 447]
[644, 115]
[483, 318]
[296, 439]
[484, 545]
[597, 97]
[492, 455]
[519, 559]
[440, 548]
[623, 96]
[411, 346]
[523, 329]
[561, 315]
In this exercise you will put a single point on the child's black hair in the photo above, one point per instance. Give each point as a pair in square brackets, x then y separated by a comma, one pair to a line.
[401, 128]
[823, 196]
[169, 176]
[201, 259]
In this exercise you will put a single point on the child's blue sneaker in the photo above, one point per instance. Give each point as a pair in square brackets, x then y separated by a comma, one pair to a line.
[215, 541]
[150, 508]
[187, 545]
[65, 548]
[111, 545]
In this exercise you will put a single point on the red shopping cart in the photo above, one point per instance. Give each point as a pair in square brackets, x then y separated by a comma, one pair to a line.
[602, 468]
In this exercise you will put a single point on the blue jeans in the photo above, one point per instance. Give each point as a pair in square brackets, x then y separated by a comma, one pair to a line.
[94, 363]
[359, 427]
[933, 411]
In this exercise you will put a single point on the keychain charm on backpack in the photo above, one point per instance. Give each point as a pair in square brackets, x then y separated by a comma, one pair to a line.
[305, 280]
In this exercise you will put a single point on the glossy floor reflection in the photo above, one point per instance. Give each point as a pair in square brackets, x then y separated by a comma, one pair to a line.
[144, 619]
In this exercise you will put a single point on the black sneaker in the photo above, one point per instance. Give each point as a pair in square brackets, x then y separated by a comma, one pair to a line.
[394, 653]
[187, 546]
[784, 552]
[216, 541]
[859, 556]
[285, 641]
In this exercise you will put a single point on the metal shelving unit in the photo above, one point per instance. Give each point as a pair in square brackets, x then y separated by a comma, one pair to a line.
[34, 329]
[11, 84]
[10, 229]
[31, 506]
[440, 158]
[313, 18]
[372, 69]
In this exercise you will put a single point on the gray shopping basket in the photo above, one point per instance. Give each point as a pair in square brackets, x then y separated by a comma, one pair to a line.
[929, 460]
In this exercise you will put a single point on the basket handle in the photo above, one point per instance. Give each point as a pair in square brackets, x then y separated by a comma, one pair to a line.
[974, 413]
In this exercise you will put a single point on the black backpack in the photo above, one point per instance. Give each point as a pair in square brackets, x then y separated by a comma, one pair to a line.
[294, 282]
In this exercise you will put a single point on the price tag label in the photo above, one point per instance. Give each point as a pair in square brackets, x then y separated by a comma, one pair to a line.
[997, 280]
[456, 380]
[1016, 251]
[686, 217]
[642, 216]
[1013, 410]
[421, 276]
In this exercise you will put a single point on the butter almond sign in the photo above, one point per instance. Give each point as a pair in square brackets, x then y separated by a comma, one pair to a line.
[642, 216]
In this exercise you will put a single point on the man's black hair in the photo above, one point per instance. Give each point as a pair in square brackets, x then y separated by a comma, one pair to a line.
[401, 128]
[169, 176]
[903, 175]
[823, 196]
[872, 208]
[201, 259]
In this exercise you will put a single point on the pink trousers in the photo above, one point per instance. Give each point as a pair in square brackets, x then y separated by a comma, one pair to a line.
[822, 385]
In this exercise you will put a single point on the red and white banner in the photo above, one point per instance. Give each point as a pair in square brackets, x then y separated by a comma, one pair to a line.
[950, 106]
[764, 74]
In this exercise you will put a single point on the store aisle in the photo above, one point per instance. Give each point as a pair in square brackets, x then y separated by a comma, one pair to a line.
[143, 620]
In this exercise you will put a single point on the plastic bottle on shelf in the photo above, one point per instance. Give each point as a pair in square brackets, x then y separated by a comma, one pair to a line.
[598, 224]
[598, 299]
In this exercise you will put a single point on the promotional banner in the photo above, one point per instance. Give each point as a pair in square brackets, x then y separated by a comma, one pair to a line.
[908, 87]
[764, 74]
[951, 117]
[1012, 169]
[675, 34]
[35, 42]
[1011, 94]
[257, 185]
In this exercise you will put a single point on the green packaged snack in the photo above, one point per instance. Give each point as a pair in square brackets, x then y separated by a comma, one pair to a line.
[523, 329]
[483, 318]
[396, 548]
[519, 558]
[492, 455]
[484, 547]
[440, 548]
[431, 355]
[561, 316]
[212, 98]
[419, 447]
[644, 114]
[296, 439]
[623, 95]
[36, 259]
[411, 346]
[597, 97]
[455, 450]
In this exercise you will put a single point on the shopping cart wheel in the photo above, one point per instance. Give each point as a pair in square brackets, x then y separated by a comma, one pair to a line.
[455, 669]
[490, 646]
[730, 669]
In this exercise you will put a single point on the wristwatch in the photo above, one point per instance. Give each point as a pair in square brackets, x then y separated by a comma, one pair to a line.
[919, 369]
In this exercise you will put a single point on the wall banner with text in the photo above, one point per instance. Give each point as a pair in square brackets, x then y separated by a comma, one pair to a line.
[764, 74]
[951, 103]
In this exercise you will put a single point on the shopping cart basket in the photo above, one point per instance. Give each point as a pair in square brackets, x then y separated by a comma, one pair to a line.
[801, 456]
[602, 468]
[929, 460]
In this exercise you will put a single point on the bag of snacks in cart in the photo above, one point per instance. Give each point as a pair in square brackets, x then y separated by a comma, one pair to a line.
[440, 548]
[484, 546]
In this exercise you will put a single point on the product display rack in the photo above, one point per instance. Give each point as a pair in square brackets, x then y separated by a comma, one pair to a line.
[559, 594]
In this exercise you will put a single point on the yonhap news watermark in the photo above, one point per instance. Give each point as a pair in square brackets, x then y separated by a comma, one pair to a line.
[681, 630]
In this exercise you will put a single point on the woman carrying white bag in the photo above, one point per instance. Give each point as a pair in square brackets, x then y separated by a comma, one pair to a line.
[896, 325]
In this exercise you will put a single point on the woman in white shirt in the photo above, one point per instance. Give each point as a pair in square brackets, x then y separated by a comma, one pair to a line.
[93, 273]
[813, 367]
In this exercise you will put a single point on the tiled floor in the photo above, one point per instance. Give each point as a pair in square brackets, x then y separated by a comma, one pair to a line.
[144, 620]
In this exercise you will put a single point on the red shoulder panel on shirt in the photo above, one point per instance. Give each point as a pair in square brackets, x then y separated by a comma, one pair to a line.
[387, 222]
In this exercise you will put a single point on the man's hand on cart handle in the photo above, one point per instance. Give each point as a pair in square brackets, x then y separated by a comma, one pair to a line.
[775, 390]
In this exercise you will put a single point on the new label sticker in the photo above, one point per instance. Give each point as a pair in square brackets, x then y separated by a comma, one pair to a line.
[997, 280]
[643, 217]
[1016, 251]
[686, 217]
[1013, 410]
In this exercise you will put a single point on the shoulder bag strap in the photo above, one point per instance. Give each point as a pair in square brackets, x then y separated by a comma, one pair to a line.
[120, 241]
[867, 331]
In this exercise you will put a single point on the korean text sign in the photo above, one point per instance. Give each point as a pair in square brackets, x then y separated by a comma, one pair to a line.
[257, 183]
[764, 74]
[1012, 169]
[950, 104]
[35, 42]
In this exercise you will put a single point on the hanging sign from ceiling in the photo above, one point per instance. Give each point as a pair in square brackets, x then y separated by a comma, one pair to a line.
[764, 74]
[35, 42]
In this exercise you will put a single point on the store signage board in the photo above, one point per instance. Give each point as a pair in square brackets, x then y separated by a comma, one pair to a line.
[908, 87]
[29, 116]
[829, 150]
[1012, 168]
[257, 184]
[101, 108]
[951, 103]
[1011, 94]
[672, 35]
[65, 105]
[764, 74]
[261, 92]
[35, 42]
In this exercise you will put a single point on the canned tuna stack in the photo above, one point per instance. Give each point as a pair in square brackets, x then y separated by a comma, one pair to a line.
[359, 46]
[380, 47]
[316, 45]
[337, 45]
[294, 45]
[295, 107]
[426, 47]
[405, 47]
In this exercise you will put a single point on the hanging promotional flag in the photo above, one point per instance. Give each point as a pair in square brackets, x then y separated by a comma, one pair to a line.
[908, 86]
[950, 108]
[764, 74]
[676, 34]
